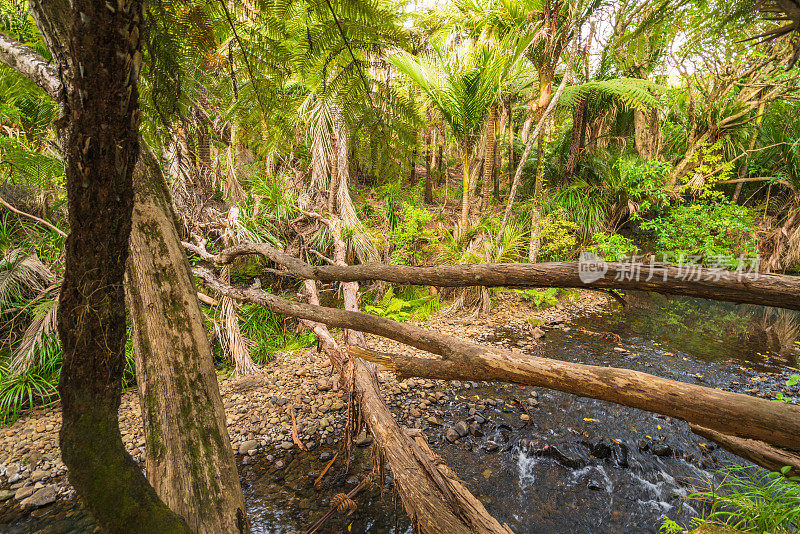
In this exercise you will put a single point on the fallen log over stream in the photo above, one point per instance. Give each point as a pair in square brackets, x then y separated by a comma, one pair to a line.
[777, 290]
[734, 414]
[434, 498]
[758, 452]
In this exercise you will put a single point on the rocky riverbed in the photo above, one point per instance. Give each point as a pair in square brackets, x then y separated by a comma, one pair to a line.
[258, 407]
[541, 461]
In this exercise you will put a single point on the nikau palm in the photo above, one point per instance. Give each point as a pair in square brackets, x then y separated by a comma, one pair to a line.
[464, 90]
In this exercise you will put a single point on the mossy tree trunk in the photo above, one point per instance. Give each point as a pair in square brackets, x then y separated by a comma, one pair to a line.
[189, 458]
[98, 54]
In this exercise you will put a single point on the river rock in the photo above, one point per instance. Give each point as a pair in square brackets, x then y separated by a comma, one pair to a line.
[619, 454]
[462, 428]
[568, 455]
[661, 449]
[451, 435]
[325, 456]
[248, 446]
[24, 492]
[602, 449]
[5, 495]
[39, 474]
[363, 439]
[475, 430]
[286, 445]
[42, 497]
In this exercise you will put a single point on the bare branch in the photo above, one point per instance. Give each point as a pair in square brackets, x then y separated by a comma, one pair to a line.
[30, 64]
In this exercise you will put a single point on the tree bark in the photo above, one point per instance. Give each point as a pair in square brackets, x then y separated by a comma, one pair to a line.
[190, 462]
[429, 145]
[730, 413]
[647, 133]
[98, 55]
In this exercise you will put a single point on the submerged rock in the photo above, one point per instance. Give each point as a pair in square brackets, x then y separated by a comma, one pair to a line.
[42, 497]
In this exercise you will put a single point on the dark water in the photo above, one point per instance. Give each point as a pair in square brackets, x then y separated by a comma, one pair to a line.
[579, 465]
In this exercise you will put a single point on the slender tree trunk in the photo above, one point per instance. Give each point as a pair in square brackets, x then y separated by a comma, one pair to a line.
[98, 71]
[428, 177]
[489, 160]
[512, 169]
[190, 462]
[578, 137]
[536, 214]
[334, 181]
[465, 192]
[414, 153]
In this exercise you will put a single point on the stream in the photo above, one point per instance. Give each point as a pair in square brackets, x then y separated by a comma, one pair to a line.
[577, 465]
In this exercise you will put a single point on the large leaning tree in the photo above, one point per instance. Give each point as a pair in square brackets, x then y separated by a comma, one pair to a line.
[189, 463]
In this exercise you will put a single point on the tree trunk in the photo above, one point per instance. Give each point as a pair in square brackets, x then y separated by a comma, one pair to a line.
[647, 133]
[413, 177]
[464, 193]
[99, 102]
[428, 178]
[536, 213]
[745, 167]
[190, 462]
[512, 169]
[489, 160]
[758, 452]
[498, 156]
[578, 137]
[735, 414]
[782, 291]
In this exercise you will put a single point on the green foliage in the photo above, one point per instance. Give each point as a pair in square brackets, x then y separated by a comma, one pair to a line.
[411, 303]
[643, 182]
[409, 234]
[717, 232]
[268, 333]
[36, 385]
[540, 298]
[558, 236]
[792, 380]
[750, 500]
[614, 247]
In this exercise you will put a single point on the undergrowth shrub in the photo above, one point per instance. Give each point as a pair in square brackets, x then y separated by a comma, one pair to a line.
[268, 333]
[405, 303]
[749, 500]
[410, 234]
[559, 237]
[614, 247]
[715, 231]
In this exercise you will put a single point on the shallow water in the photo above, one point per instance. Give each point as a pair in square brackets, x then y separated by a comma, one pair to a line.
[579, 465]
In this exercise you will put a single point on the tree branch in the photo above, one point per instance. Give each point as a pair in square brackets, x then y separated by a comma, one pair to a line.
[30, 64]
[37, 219]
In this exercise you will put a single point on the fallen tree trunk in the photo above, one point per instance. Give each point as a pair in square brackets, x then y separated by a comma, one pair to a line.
[758, 452]
[730, 413]
[433, 497]
[777, 290]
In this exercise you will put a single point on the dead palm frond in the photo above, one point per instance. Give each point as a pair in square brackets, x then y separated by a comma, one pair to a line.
[233, 342]
[42, 328]
[22, 273]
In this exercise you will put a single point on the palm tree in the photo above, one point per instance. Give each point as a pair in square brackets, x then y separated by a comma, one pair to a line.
[464, 89]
